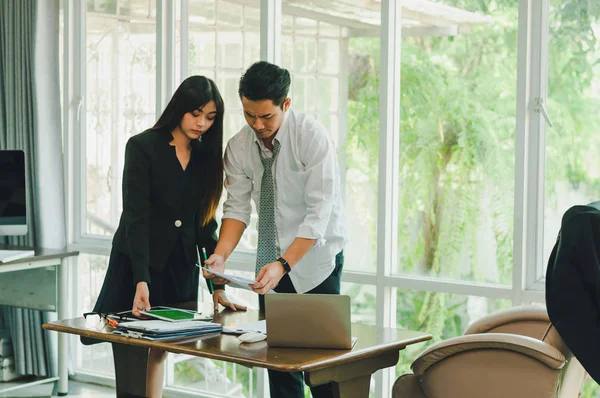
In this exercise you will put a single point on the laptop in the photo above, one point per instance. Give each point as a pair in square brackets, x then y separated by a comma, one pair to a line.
[308, 320]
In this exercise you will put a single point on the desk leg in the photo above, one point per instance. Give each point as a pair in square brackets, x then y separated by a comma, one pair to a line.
[352, 379]
[63, 340]
[131, 363]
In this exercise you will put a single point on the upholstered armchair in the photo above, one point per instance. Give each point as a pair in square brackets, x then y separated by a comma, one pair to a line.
[513, 353]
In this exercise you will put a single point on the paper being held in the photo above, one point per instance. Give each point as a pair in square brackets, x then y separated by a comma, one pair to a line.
[237, 281]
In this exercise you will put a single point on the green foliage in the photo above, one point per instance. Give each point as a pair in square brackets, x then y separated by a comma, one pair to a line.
[454, 150]
[458, 131]
[457, 146]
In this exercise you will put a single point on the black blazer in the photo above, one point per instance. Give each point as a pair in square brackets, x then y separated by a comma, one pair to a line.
[154, 212]
[573, 285]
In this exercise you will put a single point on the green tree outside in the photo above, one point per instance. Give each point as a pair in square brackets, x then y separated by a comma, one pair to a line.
[457, 147]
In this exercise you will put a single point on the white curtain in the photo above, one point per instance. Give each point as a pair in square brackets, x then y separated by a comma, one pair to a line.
[30, 120]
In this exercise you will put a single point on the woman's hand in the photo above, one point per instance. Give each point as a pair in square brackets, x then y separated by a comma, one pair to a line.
[141, 301]
[219, 297]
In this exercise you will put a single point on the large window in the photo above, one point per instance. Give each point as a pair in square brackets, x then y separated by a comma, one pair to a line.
[95, 358]
[119, 100]
[457, 148]
[221, 41]
[465, 204]
[572, 172]
[329, 68]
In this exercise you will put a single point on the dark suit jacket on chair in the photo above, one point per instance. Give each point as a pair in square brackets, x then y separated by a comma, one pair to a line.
[154, 212]
[573, 285]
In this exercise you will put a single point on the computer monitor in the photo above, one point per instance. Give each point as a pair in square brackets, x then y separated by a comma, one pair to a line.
[13, 209]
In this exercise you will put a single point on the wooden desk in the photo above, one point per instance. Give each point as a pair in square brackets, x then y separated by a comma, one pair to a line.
[349, 370]
[39, 282]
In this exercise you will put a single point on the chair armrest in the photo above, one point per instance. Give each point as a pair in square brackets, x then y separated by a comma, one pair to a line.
[407, 386]
[523, 345]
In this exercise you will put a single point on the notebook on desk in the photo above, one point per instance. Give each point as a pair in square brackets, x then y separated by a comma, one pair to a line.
[12, 255]
[159, 330]
[308, 321]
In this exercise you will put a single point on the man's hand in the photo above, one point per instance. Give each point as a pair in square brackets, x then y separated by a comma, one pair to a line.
[216, 262]
[141, 301]
[268, 277]
[219, 297]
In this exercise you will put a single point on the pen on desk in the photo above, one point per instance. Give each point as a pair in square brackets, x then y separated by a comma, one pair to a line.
[112, 322]
[211, 288]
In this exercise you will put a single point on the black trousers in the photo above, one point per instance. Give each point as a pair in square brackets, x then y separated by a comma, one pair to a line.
[291, 384]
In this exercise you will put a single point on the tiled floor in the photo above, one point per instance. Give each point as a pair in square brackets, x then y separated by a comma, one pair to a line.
[76, 390]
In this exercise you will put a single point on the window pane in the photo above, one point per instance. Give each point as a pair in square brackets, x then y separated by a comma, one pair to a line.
[329, 55]
[95, 358]
[363, 302]
[202, 11]
[329, 30]
[228, 83]
[572, 145]
[361, 146]
[229, 14]
[442, 315]
[231, 43]
[251, 35]
[194, 375]
[305, 54]
[329, 74]
[201, 49]
[457, 135]
[223, 40]
[305, 26]
[119, 102]
[328, 94]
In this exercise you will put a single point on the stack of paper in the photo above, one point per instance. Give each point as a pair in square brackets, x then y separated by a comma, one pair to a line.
[163, 330]
[12, 255]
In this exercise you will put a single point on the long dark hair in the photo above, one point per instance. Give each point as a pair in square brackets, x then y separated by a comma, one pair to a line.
[193, 93]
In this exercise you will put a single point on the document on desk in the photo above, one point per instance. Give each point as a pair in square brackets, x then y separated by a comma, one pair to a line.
[159, 330]
[159, 326]
[260, 327]
[12, 255]
[237, 281]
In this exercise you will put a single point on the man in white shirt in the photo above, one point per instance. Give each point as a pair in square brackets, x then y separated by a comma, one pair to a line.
[286, 162]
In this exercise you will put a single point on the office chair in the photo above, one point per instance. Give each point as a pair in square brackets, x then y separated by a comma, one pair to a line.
[513, 353]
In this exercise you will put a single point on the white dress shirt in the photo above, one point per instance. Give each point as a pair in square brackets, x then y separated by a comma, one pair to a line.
[308, 202]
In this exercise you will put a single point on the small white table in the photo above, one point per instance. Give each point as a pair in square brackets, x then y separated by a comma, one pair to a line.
[39, 282]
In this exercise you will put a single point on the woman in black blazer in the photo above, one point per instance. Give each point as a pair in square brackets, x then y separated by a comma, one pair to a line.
[172, 183]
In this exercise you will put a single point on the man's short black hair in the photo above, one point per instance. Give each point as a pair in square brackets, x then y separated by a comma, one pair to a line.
[263, 80]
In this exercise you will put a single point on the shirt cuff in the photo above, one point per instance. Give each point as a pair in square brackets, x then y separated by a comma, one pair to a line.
[237, 216]
[308, 232]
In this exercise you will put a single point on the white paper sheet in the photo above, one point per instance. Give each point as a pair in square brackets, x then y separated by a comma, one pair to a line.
[238, 281]
[12, 255]
[235, 281]
[259, 326]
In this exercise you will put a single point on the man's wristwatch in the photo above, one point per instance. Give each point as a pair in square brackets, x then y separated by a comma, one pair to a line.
[286, 266]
